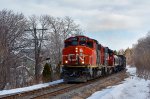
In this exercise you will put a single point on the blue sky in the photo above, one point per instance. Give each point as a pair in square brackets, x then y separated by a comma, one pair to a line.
[114, 23]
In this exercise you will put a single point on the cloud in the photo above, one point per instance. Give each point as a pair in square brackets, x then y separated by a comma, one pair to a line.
[114, 19]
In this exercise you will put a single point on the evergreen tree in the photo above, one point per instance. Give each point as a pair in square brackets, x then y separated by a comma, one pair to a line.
[47, 72]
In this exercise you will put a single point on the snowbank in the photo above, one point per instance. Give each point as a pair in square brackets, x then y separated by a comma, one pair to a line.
[34, 87]
[132, 88]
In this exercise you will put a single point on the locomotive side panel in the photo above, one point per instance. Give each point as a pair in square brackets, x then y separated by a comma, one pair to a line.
[111, 58]
[102, 55]
[106, 56]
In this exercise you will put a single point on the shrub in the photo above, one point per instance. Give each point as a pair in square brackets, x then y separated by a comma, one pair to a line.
[47, 72]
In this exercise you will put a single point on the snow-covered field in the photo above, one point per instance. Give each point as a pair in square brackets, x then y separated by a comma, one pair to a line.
[132, 88]
[25, 89]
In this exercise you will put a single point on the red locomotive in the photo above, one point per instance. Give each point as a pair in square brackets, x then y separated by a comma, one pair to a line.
[84, 59]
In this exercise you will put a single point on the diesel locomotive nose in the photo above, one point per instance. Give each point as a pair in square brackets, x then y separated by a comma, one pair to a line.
[74, 56]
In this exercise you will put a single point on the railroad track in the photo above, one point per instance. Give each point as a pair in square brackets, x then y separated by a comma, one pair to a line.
[60, 91]
[73, 87]
[35, 93]
[51, 91]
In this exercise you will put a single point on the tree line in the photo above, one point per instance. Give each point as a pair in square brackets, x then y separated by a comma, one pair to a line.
[33, 38]
[141, 57]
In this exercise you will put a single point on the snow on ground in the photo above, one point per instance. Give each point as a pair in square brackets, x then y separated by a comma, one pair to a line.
[131, 88]
[34, 87]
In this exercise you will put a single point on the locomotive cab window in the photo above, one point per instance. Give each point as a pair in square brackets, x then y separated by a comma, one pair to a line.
[67, 44]
[74, 43]
[82, 41]
[90, 44]
[99, 47]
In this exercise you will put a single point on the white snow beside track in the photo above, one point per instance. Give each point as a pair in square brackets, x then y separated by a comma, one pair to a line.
[132, 88]
[29, 88]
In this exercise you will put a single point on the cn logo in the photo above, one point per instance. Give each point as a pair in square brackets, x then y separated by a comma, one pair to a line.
[73, 57]
[81, 50]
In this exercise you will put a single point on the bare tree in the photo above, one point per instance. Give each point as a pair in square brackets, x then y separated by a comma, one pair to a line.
[37, 37]
[60, 29]
[121, 52]
[11, 32]
[70, 28]
[14, 39]
[128, 55]
[141, 56]
[49, 43]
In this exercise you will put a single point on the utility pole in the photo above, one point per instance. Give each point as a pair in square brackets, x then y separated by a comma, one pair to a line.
[37, 49]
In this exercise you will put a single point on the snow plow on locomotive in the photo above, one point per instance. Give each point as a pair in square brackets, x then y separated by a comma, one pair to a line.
[84, 58]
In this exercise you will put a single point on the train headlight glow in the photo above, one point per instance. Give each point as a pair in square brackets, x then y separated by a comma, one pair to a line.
[66, 61]
[82, 62]
[76, 50]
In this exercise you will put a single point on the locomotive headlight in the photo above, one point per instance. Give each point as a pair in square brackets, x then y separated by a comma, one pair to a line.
[83, 62]
[76, 51]
[66, 61]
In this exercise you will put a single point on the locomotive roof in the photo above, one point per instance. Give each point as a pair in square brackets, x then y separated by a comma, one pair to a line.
[89, 39]
[83, 36]
[78, 37]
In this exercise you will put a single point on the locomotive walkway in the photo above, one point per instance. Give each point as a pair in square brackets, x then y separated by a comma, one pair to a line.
[66, 91]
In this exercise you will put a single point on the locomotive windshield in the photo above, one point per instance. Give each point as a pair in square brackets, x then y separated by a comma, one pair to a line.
[74, 43]
[67, 44]
[90, 44]
[82, 41]
[71, 42]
